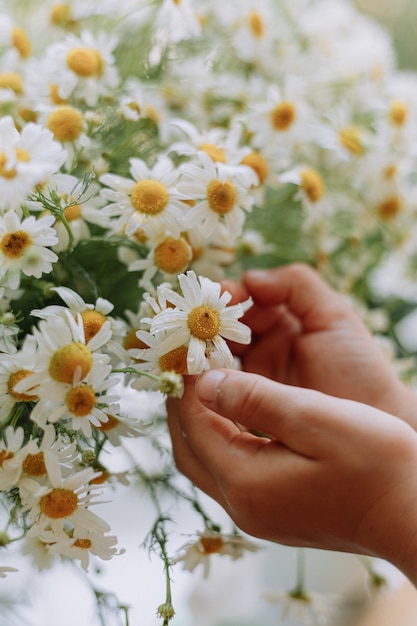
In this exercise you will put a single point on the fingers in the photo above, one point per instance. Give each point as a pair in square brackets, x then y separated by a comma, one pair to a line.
[304, 292]
[186, 459]
[307, 422]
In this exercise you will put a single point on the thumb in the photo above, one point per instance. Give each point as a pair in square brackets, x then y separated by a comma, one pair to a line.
[305, 421]
[258, 404]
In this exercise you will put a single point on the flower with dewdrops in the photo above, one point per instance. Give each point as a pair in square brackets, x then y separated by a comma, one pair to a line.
[201, 320]
[24, 247]
[200, 550]
[148, 201]
[26, 159]
[84, 66]
[220, 194]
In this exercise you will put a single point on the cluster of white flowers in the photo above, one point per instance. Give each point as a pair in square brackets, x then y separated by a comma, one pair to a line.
[148, 150]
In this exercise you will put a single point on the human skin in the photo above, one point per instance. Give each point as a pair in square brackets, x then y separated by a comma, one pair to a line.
[306, 334]
[326, 473]
[336, 469]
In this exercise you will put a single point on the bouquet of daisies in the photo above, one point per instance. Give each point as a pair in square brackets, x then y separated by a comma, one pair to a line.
[147, 151]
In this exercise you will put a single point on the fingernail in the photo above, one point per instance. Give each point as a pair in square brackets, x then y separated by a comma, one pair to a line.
[208, 385]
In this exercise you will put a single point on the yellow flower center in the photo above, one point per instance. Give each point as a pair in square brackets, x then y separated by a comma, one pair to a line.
[258, 164]
[81, 400]
[66, 123]
[84, 544]
[15, 378]
[13, 245]
[54, 95]
[9, 172]
[60, 14]
[175, 361]
[149, 196]
[85, 62]
[350, 138]
[11, 80]
[221, 196]
[131, 341]
[256, 24]
[204, 322]
[211, 545]
[216, 154]
[34, 464]
[283, 116]
[112, 423]
[312, 184]
[72, 212]
[390, 172]
[398, 113]
[151, 114]
[66, 362]
[93, 322]
[21, 42]
[173, 255]
[59, 503]
[5, 455]
[390, 207]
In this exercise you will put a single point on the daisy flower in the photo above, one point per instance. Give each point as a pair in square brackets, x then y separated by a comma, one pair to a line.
[13, 369]
[168, 255]
[64, 357]
[179, 19]
[26, 159]
[202, 321]
[83, 66]
[149, 201]
[312, 609]
[93, 316]
[83, 402]
[12, 452]
[63, 503]
[220, 194]
[24, 247]
[82, 544]
[38, 455]
[118, 426]
[208, 542]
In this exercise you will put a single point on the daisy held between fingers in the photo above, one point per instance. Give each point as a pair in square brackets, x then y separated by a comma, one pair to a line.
[202, 321]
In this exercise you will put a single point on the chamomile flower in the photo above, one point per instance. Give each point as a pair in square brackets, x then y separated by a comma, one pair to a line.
[81, 544]
[93, 316]
[81, 403]
[24, 247]
[83, 66]
[63, 503]
[202, 321]
[26, 159]
[168, 255]
[149, 201]
[119, 426]
[220, 194]
[199, 551]
[14, 368]
[179, 19]
[64, 357]
[12, 453]
[312, 609]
